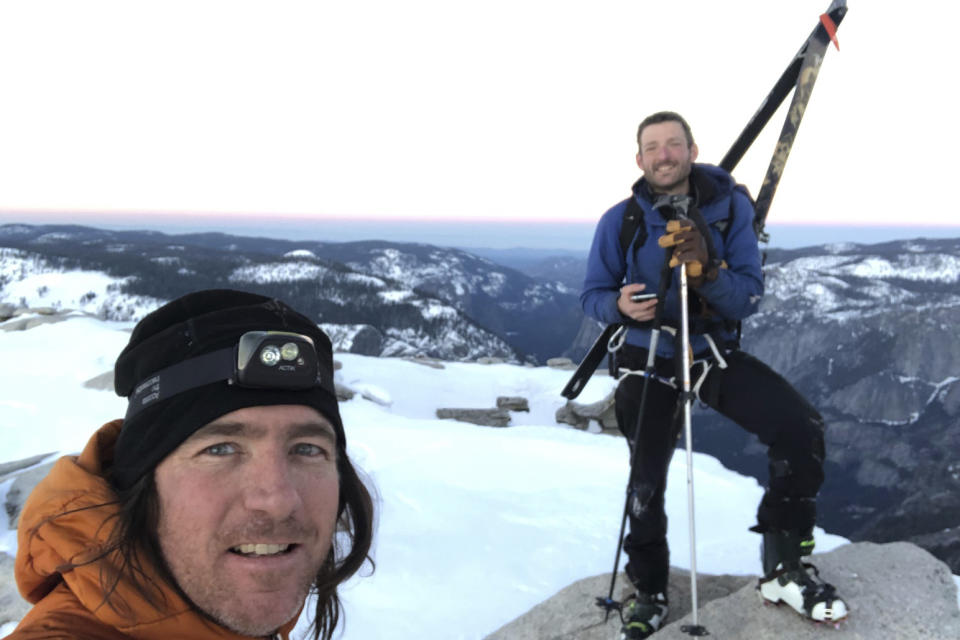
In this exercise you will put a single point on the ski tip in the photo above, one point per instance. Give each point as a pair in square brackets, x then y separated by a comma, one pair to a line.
[831, 28]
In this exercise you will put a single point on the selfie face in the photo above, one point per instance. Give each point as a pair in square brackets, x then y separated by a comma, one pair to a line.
[248, 510]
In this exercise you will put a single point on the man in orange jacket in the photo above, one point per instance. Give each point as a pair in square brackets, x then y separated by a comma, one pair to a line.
[213, 508]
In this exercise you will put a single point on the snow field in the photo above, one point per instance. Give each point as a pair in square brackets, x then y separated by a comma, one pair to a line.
[475, 525]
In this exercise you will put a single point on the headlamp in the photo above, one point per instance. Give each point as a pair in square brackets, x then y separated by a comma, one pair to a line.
[260, 360]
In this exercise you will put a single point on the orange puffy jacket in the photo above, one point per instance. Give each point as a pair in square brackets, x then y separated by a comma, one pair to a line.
[61, 525]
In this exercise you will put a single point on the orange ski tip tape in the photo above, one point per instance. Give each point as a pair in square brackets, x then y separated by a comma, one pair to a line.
[831, 28]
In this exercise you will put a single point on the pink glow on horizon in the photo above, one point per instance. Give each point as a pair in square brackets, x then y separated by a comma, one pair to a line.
[53, 216]
[220, 216]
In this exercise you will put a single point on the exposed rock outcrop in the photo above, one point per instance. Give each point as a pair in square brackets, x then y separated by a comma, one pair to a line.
[433, 363]
[580, 415]
[513, 403]
[483, 417]
[894, 590]
[493, 417]
[102, 382]
[26, 473]
[24, 483]
[565, 364]
[12, 606]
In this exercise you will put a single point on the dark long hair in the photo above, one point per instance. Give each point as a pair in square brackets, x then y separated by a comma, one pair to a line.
[134, 540]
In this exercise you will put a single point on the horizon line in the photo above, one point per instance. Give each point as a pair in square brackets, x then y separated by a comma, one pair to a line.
[222, 219]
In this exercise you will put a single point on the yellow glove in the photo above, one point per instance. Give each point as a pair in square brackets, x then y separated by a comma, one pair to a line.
[677, 234]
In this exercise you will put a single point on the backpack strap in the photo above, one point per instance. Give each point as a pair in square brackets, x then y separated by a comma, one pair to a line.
[632, 221]
[724, 225]
[725, 229]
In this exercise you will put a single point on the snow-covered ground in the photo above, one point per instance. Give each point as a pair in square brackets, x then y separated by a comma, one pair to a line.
[475, 525]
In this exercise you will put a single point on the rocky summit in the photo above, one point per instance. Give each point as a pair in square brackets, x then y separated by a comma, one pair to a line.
[894, 590]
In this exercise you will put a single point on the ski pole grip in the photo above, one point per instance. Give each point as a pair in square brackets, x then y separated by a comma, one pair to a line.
[669, 239]
[694, 269]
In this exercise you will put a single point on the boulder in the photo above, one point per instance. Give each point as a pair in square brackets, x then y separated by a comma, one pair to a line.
[433, 363]
[513, 403]
[482, 417]
[368, 341]
[565, 364]
[580, 415]
[894, 590]
[354, 338]
[102, 382]
[343, 393]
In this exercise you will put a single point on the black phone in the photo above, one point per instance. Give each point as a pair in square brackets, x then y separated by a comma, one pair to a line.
[640, 297]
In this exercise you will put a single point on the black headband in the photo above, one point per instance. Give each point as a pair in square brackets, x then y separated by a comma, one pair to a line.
[207, 354]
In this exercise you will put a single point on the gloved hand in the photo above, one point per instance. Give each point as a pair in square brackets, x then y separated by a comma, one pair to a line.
[689, 246]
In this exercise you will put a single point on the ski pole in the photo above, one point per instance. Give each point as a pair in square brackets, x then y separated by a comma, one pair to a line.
[665, 276]
[694, 629]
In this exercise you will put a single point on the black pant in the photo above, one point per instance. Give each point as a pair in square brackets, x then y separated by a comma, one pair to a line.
[755, 397]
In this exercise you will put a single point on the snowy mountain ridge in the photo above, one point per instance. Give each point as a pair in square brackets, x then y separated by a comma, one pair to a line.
[517, 316]
[866, 332]
[29, 280]
[846, 287]
[89, 271]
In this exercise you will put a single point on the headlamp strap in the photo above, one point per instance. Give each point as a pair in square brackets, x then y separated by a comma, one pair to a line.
[179, 377]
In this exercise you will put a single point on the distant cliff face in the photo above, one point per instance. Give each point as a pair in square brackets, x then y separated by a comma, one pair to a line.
[869, 334]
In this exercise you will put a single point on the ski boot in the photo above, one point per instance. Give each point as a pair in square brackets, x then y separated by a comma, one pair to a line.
[642, 614]
[788, 579]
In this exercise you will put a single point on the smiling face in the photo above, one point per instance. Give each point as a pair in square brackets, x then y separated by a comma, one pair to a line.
[248, 511]
[666, 157]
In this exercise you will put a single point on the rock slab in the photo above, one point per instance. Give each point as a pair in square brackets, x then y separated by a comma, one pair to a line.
[12, 606]
[894, 590]
[482, 417]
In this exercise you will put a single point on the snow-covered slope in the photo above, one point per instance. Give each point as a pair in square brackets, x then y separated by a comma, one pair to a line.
[851, 286]
[30, 280]
[475, 524]
[517, 309]
[400, 319]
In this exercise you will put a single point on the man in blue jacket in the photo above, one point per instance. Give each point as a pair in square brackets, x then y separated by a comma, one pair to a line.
[723, 247]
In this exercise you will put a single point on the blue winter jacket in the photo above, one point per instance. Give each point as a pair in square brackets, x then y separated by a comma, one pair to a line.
[734, 295]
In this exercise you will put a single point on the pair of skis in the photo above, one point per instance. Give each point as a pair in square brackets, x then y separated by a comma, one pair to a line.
[799, 78]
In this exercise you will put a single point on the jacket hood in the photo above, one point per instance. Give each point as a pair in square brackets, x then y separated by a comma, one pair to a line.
[709, 183]
[65, 524]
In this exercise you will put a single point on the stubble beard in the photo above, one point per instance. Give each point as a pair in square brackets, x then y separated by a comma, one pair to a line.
[682, 178]
[216, 597]
[241, 620]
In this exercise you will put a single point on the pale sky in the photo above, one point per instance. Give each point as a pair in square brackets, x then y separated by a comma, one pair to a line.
[506, 110]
